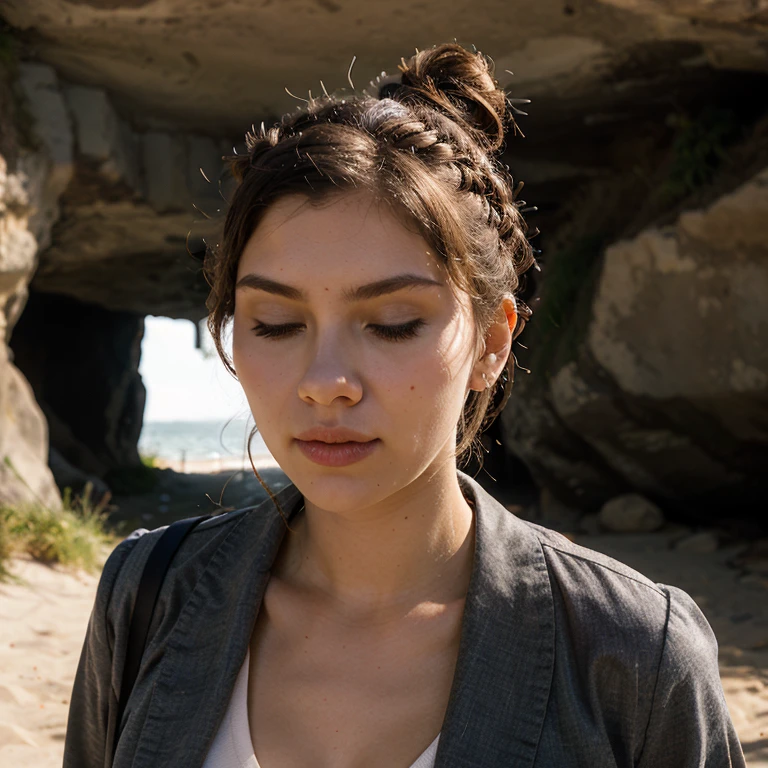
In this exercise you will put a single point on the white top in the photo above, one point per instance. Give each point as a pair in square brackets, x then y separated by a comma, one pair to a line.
[232, 746]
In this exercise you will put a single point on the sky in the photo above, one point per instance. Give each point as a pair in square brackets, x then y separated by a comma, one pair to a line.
[184, 383]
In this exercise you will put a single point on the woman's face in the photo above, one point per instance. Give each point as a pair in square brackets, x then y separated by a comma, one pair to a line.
[344, 319]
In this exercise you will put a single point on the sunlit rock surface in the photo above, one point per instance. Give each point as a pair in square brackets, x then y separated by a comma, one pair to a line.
[668, 390]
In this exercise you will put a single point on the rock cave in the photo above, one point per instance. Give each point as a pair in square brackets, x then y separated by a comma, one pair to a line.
[645, 153]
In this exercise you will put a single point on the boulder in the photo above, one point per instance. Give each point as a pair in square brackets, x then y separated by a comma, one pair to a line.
[663, 384]
[657, 380]
[24, 473]
[631, 513]
[702, 543]
[28, 205]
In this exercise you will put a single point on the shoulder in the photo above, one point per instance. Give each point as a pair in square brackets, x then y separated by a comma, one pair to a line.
[558, 543]
[641, 653]
[256, 516]
[608, 586]
[123, 569]
[606, 602]
[585, 591]
[603, 601]
[645, 644]
[132, 553]
[572, 565]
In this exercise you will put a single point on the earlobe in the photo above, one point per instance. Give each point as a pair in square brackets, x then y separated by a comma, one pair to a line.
[498, 339]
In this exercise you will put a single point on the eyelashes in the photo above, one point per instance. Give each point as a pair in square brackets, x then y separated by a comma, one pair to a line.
[275, 331]
[387, 332]
[398, 332]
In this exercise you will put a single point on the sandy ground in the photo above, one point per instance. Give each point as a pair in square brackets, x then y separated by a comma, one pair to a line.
[208, 466]
[43, 622]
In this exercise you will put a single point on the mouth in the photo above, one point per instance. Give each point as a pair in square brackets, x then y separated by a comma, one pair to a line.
[333, 435]
[337, 453]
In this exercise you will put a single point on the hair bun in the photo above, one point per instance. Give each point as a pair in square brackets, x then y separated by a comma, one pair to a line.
[461, 83]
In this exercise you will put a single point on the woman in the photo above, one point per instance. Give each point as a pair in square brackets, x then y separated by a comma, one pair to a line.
[385, 610]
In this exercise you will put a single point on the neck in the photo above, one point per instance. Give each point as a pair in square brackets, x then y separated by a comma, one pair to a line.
[416, 546]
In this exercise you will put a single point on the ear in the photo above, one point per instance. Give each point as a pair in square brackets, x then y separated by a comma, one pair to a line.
[498, 345]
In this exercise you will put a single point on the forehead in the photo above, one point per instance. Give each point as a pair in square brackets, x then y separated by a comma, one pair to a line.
[346, 237]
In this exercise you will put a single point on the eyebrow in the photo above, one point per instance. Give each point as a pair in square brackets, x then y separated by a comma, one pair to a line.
[362, 292]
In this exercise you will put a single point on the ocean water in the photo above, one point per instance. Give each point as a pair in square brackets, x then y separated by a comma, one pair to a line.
[198, 440]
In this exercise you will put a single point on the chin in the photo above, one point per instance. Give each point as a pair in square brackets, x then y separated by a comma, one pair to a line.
[339, 491]
[350, 488]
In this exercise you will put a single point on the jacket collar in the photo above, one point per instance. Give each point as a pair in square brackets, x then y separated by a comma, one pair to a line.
[503, 674]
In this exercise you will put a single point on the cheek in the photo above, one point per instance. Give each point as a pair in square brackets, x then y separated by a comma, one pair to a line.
[427, 394]
[258, 374]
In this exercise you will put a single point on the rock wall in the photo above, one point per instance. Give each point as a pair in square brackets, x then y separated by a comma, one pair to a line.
[126, 215]
[667, 391]
[30, 184]
[93, 236]
[85, 378]
[652, 378]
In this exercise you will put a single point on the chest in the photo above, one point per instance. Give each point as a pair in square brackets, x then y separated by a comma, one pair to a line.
[336, 696]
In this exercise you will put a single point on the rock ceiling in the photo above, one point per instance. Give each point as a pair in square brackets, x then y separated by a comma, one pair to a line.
[157, 89]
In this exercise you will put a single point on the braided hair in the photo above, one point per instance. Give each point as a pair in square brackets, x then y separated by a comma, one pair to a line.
[428, 145]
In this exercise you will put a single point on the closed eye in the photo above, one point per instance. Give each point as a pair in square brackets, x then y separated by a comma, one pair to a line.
[398, 332]
[276, 331]
[388, 332]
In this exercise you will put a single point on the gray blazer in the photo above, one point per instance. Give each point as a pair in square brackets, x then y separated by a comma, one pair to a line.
[567, 657]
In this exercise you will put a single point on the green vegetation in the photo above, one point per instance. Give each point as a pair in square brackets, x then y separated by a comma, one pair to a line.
[74, 536]
[568, 277]
[8, 48]
[698, 150]
[127, 481]
[149, 460]
[17, 125]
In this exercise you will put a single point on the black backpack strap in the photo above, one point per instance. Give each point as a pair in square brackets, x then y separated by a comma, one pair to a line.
[152, 577]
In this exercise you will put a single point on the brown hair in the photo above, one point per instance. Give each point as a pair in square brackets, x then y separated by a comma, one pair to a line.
[429, 148]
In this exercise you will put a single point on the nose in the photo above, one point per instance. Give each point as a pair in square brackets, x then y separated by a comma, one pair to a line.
[330, 374]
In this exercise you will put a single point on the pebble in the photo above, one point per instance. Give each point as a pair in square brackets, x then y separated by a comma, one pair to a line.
[702, 543]
[631, 513]
[754, 578]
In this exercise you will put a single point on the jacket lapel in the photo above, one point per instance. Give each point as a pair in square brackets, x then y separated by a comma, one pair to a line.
[207, 646]
[503, 673]
[505, 665]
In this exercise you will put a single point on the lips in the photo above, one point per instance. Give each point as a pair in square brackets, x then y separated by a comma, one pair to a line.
[335, 446]
[333, 435]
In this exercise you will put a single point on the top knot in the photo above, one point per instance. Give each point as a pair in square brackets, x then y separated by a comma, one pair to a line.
[459, 83]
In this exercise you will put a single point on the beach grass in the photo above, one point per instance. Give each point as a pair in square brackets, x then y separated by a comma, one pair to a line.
[74, 536]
